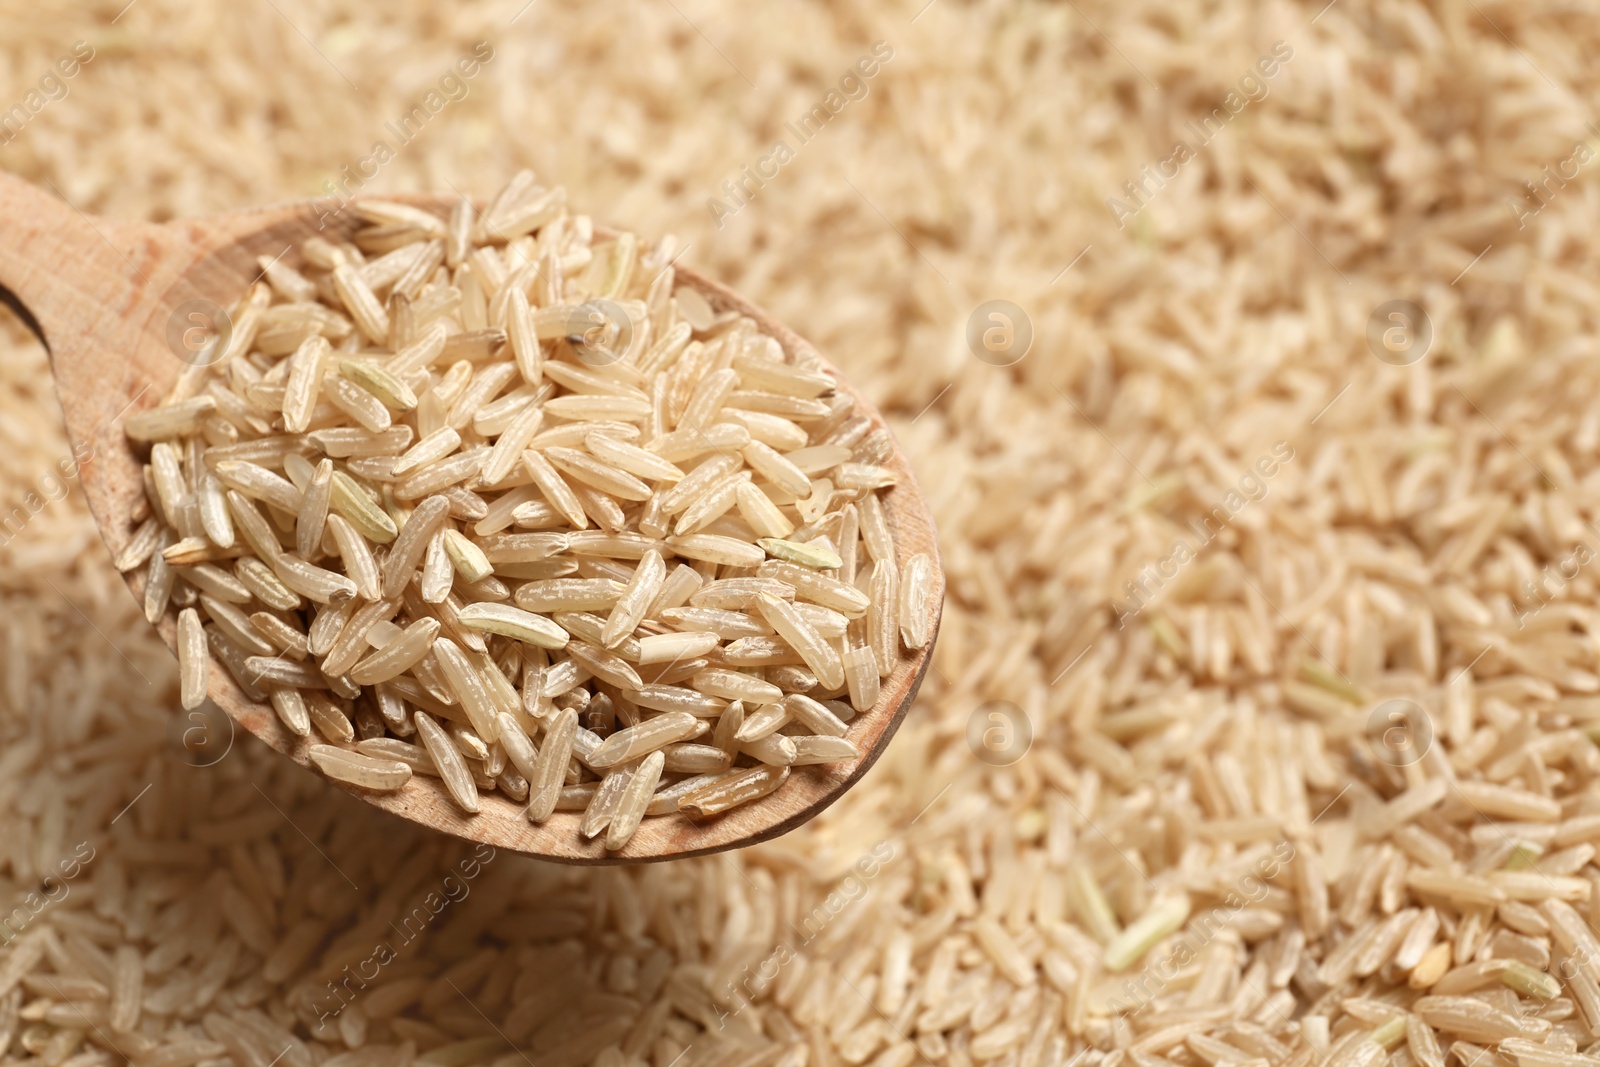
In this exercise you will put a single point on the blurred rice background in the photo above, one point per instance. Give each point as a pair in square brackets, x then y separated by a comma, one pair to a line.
[948, 910]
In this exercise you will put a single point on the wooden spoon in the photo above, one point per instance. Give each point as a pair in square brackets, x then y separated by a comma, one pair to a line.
[112, 301]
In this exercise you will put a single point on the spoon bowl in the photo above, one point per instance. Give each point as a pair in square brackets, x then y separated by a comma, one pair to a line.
[115, 304]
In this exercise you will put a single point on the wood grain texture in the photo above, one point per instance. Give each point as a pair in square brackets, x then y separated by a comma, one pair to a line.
[104, 296]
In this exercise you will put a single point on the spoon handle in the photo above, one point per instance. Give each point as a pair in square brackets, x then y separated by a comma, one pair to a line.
[68, 273]
[88, 286]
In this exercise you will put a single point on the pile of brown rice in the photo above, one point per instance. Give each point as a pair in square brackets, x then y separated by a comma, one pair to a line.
[440, 461]
[1210, 855]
